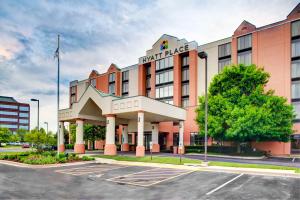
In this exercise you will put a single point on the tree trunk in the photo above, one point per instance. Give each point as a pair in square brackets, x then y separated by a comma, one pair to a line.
[238, 145]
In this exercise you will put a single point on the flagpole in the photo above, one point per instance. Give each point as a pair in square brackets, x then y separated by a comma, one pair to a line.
[58, 133]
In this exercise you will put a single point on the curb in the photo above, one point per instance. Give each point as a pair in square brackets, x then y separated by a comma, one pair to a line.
[224, 156]
[252, 171]
[23, 165]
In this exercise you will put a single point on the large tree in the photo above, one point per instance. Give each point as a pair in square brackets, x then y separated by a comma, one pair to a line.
[240, 108]
[5, 135]
[93, 132]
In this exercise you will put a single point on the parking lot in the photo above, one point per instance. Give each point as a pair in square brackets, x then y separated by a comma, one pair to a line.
[106, 181]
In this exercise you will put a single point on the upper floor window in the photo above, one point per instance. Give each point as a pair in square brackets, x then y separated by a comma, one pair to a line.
[296, 48]
[245, 42]
[164, 91]
[23, 127]
[23, 121]
[112, 77]
[8, 113]
[185, 90]
[125, 88]
[296, 90]
[111, 88]
[9, 125]
[185, 75]
[164, 77]
[297, 109]
[23, 115]
[93, 82]
[73, 89]
[24, 108]
[73, 99]
[164, 63]
[296, 28]
[296, 69]
[224, 50]
[125, 76]
[245, 58]
[8, 106]
[148, 70]
[185, 61]
[8, 119]
[223, 63]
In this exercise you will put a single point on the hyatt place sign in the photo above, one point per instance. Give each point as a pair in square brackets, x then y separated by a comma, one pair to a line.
[164, 53]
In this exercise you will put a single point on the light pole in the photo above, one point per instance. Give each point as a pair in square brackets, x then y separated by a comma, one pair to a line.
[203, 55]
[47, 126]
[38, 115]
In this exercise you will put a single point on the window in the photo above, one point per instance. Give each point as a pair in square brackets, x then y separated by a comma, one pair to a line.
[111, 88]
[23, 121]
[164, 77]
[112, 77]
[8, 113]
[93, 82]
[129, 138]
[24, 108]
[8, 106]
[164, 63]
[148, 70]
[125, 87]
[185, 90]
[296, 90]
[8, 119]
[245, 42]
[297, 109]
[185, 102]
[73, 89]
[296, 69]
[125, 76]
[9, 125]
[296, 48]
[169, 101]
[223, 63]
[23, 127]
[245, 58]
[23, 115]
[73, 98]
[148, 82]
[148, 91]
[296, 28]
[185, 76]
[196, 139]
[164, 91]
[224, 50]
[185, 61]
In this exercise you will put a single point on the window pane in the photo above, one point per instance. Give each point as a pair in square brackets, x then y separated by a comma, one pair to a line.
[225, 50]
[24, 108]
[296, 28]
[23, 127]
[171, 76]
[297, 109]
[244, 58]
[23, 121]
[296, 69]
[223, 63]
[157, 92]
[23, 115]
[295, 48]
[9, 125]
[8, 113]
[244, 42]
[295, 89]
[8, 119]
[171, 61]
[8, 106]
[157, 65]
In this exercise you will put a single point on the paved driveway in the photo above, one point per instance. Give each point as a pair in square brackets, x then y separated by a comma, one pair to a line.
[98, 181]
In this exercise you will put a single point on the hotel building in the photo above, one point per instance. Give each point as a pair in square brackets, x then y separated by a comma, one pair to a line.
[14, 115]
[155, 99]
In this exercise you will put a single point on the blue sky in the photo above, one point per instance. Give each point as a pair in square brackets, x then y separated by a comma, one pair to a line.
[97, 33]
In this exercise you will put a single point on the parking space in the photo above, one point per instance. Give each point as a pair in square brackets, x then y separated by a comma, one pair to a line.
[92, 169]
[150, 177]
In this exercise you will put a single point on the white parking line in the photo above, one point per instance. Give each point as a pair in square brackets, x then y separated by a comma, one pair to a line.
[224, 184]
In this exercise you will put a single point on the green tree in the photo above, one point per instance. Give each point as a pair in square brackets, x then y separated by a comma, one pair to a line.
[22, 132]
[15, 138]
[5, 135]
[36, 137]
[93, 132]
[51, 139]
[240, 109]
[73, 133]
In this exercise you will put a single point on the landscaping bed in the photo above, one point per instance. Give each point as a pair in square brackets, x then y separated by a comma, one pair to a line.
[155, 159]
[42, 158]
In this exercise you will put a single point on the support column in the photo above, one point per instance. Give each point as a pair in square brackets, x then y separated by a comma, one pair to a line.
[79, 145]
[181, 131]
[155, 145]
[140, 149]
[125, 145]
[110, 146]
[61, 147]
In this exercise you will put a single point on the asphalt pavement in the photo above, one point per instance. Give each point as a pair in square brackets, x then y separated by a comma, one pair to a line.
[103, 181]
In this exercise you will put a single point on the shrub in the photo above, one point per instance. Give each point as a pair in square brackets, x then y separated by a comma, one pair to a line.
[62, 160]
[87, 158]
[39, 160]
[69, 146]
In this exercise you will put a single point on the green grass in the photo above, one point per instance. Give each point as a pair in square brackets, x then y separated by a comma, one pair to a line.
[259, 166]
[155, 159]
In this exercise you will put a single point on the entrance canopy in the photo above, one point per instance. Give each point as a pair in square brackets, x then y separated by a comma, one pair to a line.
[94, 105]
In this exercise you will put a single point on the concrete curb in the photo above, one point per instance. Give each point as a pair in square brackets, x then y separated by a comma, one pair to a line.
[224, 156]
[23, 165]
[197, 167]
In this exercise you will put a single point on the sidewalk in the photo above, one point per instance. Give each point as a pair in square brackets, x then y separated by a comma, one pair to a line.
[227, 156]
[252, 171]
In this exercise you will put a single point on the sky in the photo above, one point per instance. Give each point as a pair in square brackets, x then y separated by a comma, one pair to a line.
[96, 33]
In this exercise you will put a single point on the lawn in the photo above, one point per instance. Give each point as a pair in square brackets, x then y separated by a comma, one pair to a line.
[155, 159]
[259, 166]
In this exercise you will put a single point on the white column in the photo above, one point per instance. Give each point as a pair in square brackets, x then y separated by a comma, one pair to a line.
[79, 131]
[181, 131]
[61, 133]
[140, 129]
[110, 130]
[125, 134]
[155, 133]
